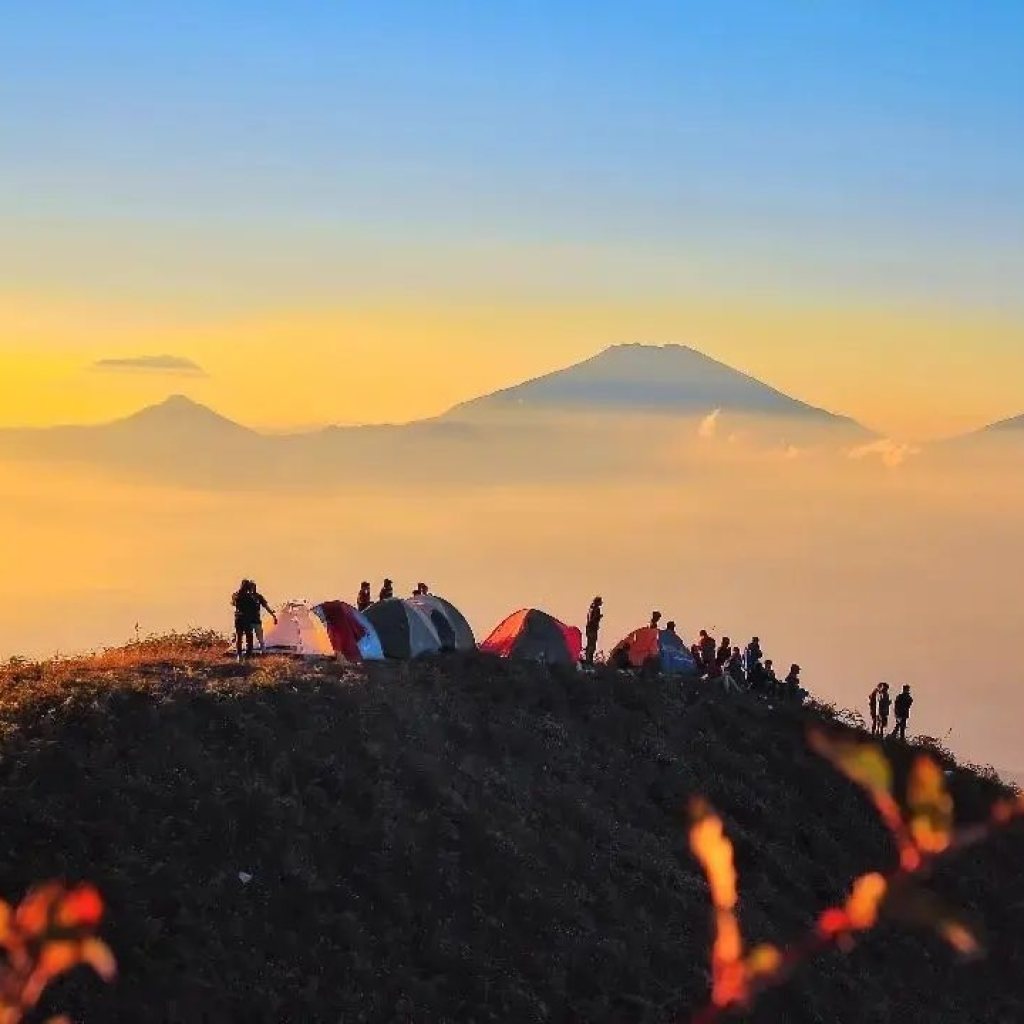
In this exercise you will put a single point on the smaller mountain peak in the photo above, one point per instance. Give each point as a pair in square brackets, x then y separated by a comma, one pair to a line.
[179, 411]
[179, 402]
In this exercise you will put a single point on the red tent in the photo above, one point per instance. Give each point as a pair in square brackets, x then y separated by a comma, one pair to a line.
[535, 636]
[346, 628]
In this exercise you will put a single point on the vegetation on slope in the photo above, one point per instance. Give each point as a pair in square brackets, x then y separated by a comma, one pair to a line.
[462, 840]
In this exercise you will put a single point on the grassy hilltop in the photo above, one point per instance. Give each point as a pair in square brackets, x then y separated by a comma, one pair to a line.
[460, 840]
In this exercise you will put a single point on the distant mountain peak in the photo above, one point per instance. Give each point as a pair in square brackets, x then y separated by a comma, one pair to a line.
[179, 412]
[1014, 423]
[664, 378]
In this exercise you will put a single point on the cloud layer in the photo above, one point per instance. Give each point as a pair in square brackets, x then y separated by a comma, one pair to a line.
[177, 366]
[892, 453]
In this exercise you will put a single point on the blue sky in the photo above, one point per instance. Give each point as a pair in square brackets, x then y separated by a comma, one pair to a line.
[237, 156]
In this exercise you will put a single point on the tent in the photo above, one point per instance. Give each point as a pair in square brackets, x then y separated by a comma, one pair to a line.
[536, 636]
[404, 630]
[449, 623]
[351, 634]
[650, 647]
[299, 631]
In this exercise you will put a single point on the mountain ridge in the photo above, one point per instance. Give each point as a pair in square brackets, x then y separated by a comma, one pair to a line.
[638, 377]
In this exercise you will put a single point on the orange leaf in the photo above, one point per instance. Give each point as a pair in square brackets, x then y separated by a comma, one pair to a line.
[32, 917]
[81, 908]
[764, 961]
[833, 922]
[58, 956]
[960, 937]
[863, 763]
[866, 765]
[865, 900]
[714, 851]
[930, 806]
[97, 955]
[730, 984]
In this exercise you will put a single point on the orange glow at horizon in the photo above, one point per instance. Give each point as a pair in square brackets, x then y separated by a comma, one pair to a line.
[911, 374]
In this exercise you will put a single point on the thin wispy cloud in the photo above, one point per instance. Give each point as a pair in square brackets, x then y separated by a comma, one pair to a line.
[175, 366]
[891, 453]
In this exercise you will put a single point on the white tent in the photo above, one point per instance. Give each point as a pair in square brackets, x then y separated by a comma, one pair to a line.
[299, 631]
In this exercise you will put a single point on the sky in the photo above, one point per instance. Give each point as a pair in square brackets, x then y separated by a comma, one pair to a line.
[312, 212]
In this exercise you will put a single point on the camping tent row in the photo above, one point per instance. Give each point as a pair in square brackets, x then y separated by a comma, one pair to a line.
[405, 628]
[396, 628]
[426, 624]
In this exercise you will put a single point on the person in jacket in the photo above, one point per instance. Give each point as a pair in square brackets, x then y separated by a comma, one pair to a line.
[753, 654]
[724, 652]
[735, 667]
[387, 591]
[248, 603]
[363, 601]
[901, 710]
[794, 686]
[884, 704]
[706, 645]
[594, 616]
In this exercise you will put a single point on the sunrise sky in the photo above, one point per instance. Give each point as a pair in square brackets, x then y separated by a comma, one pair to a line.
[350, 211]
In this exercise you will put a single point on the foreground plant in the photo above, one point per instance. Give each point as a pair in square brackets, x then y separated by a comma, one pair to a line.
[51, 931]
[924, 833]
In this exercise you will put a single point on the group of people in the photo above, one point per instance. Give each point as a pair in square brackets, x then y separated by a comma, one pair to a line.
[733, 668]
[716, 661]
[880, 702]
[386, 593]
[249, 605]
[750, 670]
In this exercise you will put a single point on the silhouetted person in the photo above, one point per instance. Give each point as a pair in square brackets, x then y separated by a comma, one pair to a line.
[753, 654]
[756, 679]
[422, 589]
[387, 591]
[735, 666]
[594, 616]
[363, 601]
[884, 704]
[706, 646]
[794, 688]
[655, 619]
[724, 652]
[670, 627]
[771, 680]
[248, 603]
[901, 709]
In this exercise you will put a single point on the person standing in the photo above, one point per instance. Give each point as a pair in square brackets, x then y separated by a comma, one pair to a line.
[387, 591]
[706, 644]
[873, 708]
[655, 619]
[884, 703]
[363, 601]
[735, 667]
[901, 708]
[248, 603]
[724, 653]
[594, 616]
[753, 654]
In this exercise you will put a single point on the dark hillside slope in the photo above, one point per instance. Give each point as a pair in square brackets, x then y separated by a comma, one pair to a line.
[467, 841]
